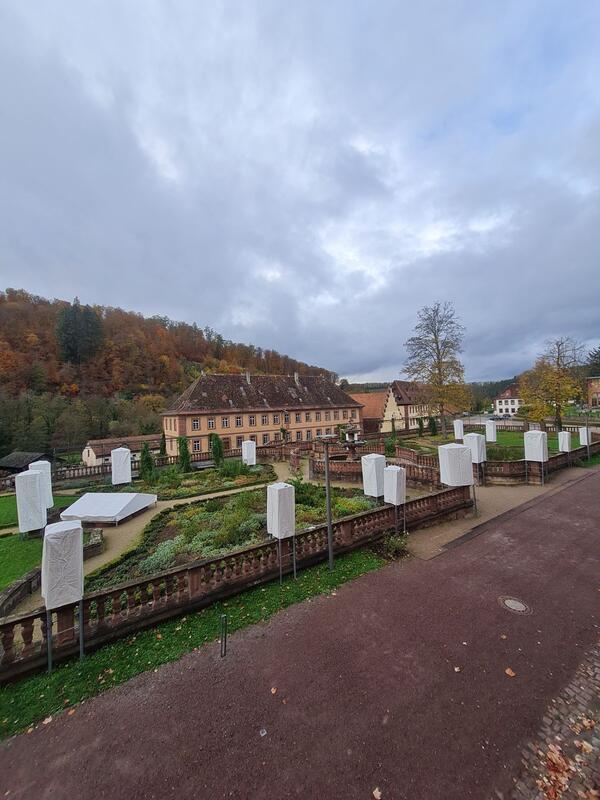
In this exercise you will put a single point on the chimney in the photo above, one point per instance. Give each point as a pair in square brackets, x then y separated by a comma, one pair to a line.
[296, 379]
[248, 378]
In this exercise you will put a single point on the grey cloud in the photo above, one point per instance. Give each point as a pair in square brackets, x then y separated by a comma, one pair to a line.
[308, 180]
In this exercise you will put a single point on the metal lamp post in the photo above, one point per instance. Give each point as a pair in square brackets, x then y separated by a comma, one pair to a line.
[327, 440]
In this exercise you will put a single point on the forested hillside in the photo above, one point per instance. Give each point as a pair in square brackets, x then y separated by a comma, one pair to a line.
[70, 372]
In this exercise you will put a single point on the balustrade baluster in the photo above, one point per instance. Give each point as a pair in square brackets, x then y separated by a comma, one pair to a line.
[7, 637]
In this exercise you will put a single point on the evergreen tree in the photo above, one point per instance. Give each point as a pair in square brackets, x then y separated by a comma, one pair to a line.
[78, 332]
[216, 448]
[421, 425]
[163, 445]
[146, 463]
[432, 424]
[185, 462]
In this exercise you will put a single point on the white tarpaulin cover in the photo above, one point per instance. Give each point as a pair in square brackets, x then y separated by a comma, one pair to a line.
[536, 446]
[459, 429]
[249, 453]
[490, 431]
[564, 441]
[476, 443]
[120, 459]
[46, 469]
[281, 510]
[31, 503]
[62, 564]
[585, 437]
[107, 506]
[456, 468]
[372, 474]
[394, 485]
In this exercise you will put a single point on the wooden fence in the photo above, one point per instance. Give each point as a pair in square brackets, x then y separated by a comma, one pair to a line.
[119, 611]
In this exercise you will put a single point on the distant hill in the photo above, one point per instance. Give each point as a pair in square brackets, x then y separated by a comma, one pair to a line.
[72, 350]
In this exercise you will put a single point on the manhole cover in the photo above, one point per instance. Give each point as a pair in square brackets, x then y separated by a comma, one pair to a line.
[515, 605]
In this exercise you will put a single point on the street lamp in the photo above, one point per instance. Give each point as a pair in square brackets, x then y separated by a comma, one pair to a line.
[327, 440]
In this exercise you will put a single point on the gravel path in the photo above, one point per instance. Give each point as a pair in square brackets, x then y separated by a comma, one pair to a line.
[413, 683]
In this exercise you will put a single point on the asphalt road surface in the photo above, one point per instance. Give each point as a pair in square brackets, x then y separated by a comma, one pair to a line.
[396, 683]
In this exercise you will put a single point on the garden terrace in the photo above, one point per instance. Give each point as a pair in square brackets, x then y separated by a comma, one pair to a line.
[214, 528]
[112, 613]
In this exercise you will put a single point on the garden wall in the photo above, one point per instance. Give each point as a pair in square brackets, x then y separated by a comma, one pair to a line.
[112, 613]
[351, 471]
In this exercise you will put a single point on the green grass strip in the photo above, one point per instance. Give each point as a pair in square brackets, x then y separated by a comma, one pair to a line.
[30, 700]
[17, 557]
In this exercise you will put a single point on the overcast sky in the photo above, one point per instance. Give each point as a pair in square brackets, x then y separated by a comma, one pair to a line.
[305, 176]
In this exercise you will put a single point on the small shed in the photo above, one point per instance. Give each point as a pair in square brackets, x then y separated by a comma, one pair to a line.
[19, 460]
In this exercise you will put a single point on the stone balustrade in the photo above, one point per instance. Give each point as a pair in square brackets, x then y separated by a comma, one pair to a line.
[112, 613]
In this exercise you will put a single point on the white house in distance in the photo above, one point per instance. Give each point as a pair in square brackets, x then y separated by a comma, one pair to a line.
[97, 451]
[508, 401]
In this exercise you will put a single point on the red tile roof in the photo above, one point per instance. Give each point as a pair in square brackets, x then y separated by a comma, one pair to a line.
[373, 403]
[409, 393]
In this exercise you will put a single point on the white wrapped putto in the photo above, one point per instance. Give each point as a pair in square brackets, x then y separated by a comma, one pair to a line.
[62, 564]
[564, 441]
[249, 452]
[585, 437]
[536, 446]
[456, 468]
[46, 469]
[281, 510]
[373, 465]
[476, 443]
[394, 485]
[120, 460]
[31, 501]
[459, 429]
[491, 434]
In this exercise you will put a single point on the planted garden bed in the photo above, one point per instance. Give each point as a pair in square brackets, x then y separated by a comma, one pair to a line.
[210, 528]
[173, 484]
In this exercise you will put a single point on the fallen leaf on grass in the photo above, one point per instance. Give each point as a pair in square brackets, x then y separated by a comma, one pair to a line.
[511, 673]
[159, 635]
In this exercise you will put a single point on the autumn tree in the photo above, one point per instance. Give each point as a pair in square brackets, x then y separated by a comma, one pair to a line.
[433, 358]
[554, 380]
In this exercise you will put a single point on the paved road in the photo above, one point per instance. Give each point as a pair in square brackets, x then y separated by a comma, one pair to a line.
[397, 682]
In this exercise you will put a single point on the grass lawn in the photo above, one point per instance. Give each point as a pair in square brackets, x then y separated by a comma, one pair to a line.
[509, 446]
[8, 507]
[211, 528]
[17, 557]
[30, 700]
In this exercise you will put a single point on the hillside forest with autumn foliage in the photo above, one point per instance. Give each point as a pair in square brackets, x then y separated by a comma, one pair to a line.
[70, 372]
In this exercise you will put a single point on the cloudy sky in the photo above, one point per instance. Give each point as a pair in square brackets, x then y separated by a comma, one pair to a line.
[307, 175]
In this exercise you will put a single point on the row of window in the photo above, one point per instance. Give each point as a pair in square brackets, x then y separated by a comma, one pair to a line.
[273, 419]
[508, 402]
[265, 438]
